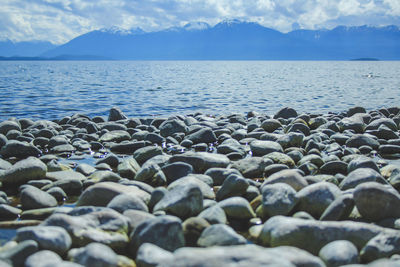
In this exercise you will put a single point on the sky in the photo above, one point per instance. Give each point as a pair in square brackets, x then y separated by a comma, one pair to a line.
[59, 21]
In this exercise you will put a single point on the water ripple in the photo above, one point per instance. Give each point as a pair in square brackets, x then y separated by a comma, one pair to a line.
[50, 90]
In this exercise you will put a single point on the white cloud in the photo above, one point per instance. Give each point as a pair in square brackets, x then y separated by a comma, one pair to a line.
[62, 20]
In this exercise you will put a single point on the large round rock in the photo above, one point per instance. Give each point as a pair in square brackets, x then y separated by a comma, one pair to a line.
[338, 253]
[164, 231]
[52, 238]
[375, 201]
[315, 198]
[184, 200]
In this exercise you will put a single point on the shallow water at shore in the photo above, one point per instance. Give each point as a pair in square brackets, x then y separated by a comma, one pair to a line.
[51, 90]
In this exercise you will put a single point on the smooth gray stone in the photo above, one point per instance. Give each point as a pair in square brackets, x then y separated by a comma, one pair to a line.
[127, 147]
[14, 148]
[362, 162]
[375, 124]
[376, 202]
[136, 217]
[252, 167]
[334, 167]
[4, 165]
[355, 110]
[220, 174]
[17, 255]
[176, 170]
[340, 209]
[58, 193]
[54, 166]
[47, 258]
[358, 140]
[389, 149]
[169, 127]
[57, 141]
[379, 263]
[67, 148]
[71, 186]
[204, 135]
[155, 138]
[110, 159]
[24, 171]
[85, 169]
[163, 231]
[89, 224]
[231, 145]
[34, 198]
[205, 188]
[233, 185]
[157, 194]
[64, 175]
[160, 160]
[237, 208]
[359, 176]
[270, 125]
[262, 147]
[312, 158]
[116, 114]
[290, 177]
[150, 255]
[202, 161]
[101, 194]
[298, 127]
[243, 255]
[43, 258]
[145, 153]
[214, 215]
[277, 199]
[115, 136]
[286, 113]
[3, 140]
[151, 174]
[8, 125]
[292, 139]
[338, 253]
[184, 200]
[280, 158]
[383, 245]
[125, 202]
[312, 235]
[39, 183]
[94, 255]
[354, 123]
[8, 212]
[104, 176]
[52, 238]
[142, 186]
[220, 235]
[203, 178]
[273, 168]
[128, 168]
[315, 198]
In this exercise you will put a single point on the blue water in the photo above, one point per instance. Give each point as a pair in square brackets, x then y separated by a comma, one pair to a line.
[52, 90]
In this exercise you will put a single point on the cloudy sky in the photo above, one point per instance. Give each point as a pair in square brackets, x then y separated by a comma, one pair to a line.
[59, 21]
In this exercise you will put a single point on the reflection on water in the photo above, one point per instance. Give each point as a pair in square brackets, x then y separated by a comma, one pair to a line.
[52, 90]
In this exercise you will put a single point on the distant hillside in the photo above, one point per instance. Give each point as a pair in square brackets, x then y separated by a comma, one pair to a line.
[24, 49]
[59, 58]
[234, 40]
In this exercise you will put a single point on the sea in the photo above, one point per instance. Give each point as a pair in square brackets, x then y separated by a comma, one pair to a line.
[54, 89]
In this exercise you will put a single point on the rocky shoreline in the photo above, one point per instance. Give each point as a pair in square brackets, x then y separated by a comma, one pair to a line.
[198, 190]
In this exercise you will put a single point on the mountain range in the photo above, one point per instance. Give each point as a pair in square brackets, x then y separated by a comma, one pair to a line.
[229, 40]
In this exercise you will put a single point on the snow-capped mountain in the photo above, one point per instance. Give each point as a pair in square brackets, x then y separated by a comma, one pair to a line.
[235, 39]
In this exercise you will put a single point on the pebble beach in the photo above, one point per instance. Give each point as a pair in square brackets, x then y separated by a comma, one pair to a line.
[283, 189]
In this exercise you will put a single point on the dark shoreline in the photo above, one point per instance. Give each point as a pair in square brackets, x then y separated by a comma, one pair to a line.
[197, 189]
